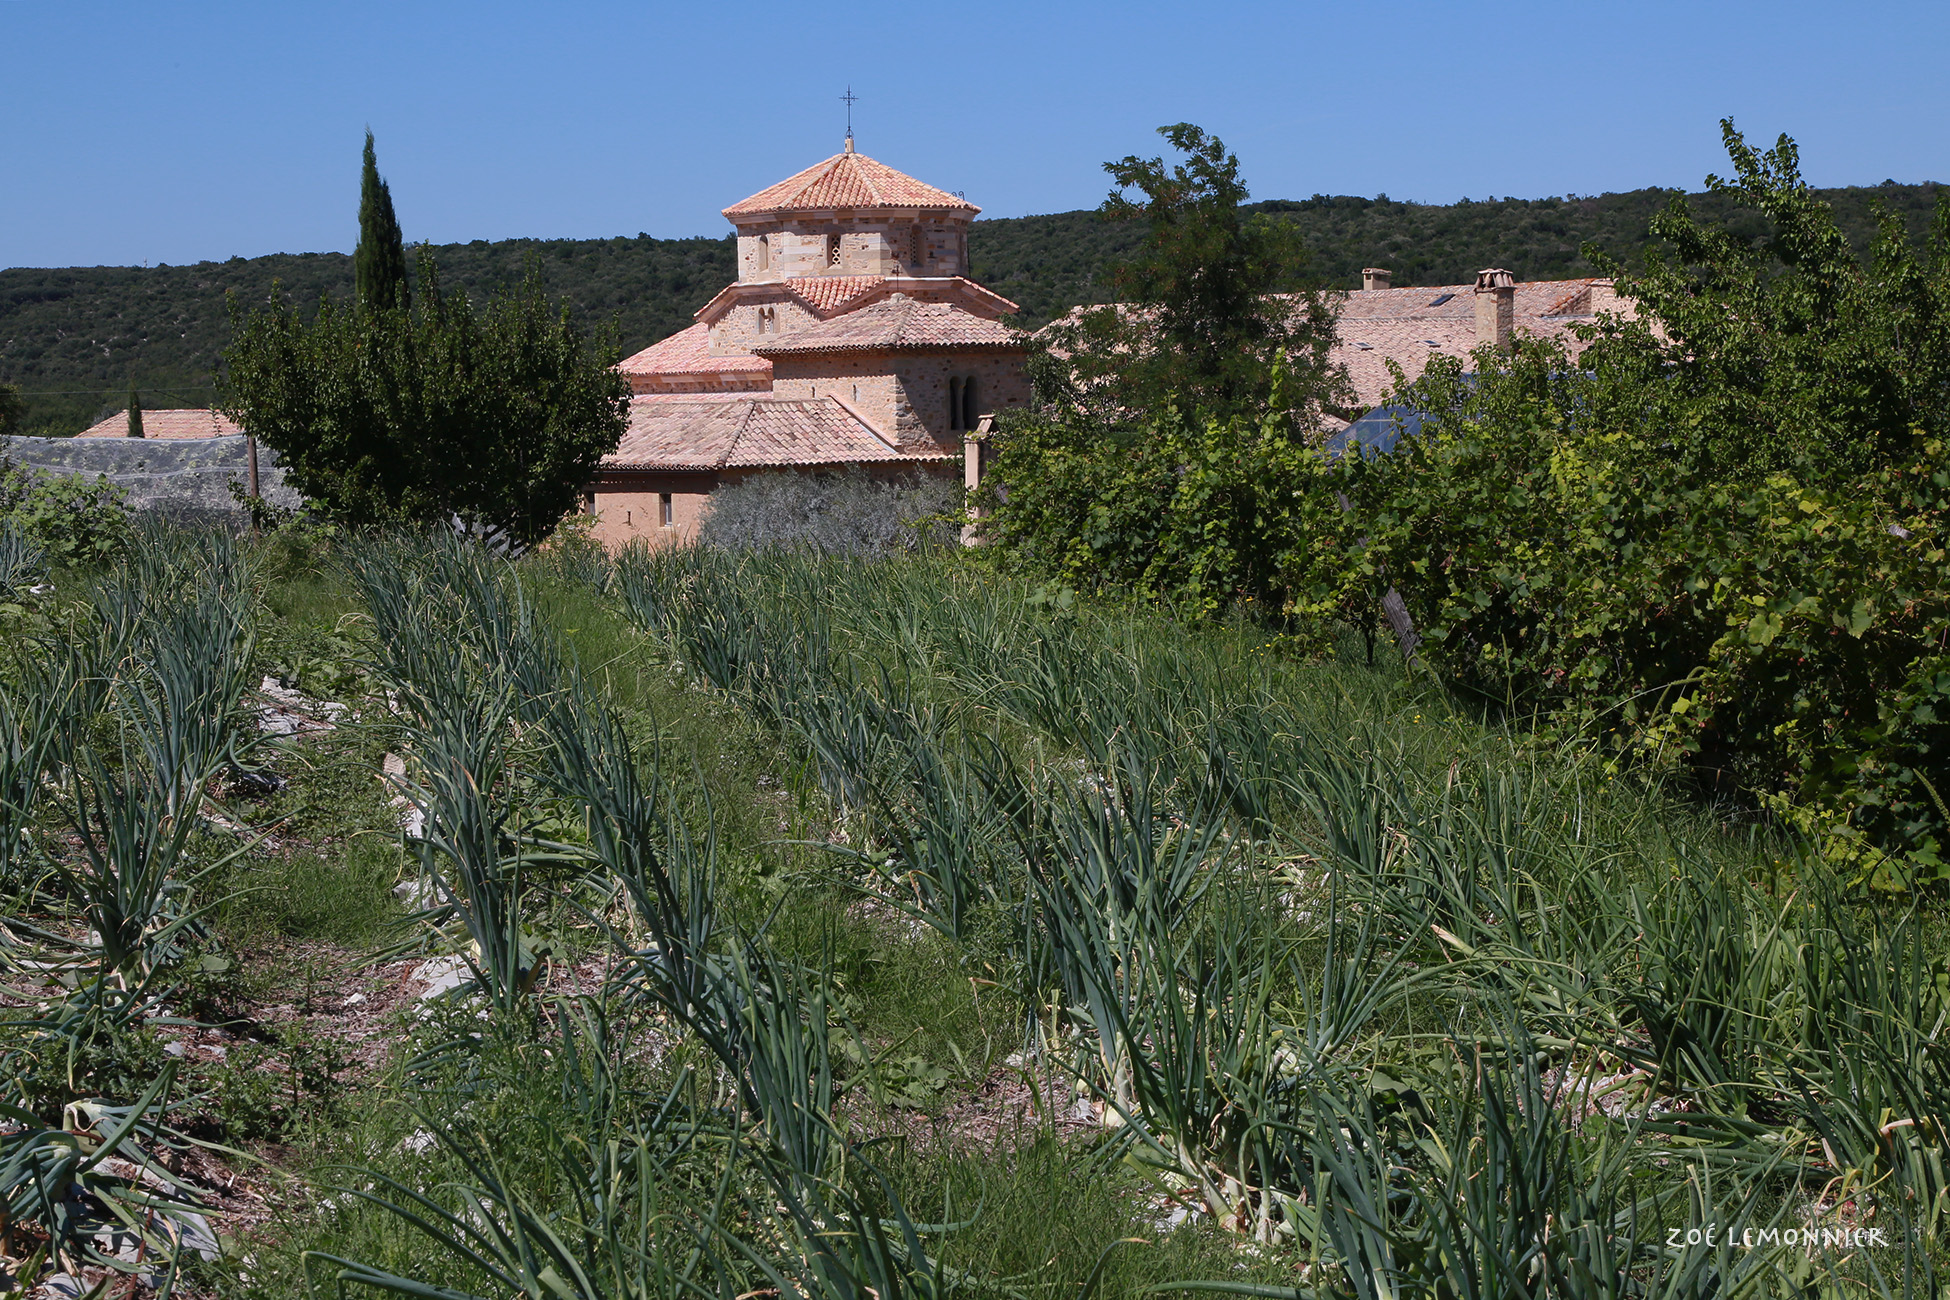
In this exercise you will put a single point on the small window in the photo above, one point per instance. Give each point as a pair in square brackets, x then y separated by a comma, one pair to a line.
[968, 417]
[663, 510]
[832, 250]
[768, 320]
[764, 252]
[954, 404]
[856, 394]
[917, 247]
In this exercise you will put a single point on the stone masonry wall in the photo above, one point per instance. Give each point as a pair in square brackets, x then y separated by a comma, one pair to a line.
[628, 508]
[903, 396]
[861, 380]
[627, 503]
[1001, 384]
[869, 245]
[737, 330]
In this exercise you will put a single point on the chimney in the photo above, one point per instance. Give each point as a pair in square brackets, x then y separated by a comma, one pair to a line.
[1604, 297]
[1496, 303]
[1375, 277]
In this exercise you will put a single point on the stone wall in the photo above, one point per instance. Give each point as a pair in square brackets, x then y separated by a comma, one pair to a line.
[903, 396]
[734, 333]
[187, 478]
[628, 503]
[628, 506]
[879, 244]
[860, 379]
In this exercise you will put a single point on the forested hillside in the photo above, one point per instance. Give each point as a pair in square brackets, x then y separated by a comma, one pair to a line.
[74, 338]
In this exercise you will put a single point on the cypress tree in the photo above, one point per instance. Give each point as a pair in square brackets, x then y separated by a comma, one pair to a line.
[379, 262]
[135, 413]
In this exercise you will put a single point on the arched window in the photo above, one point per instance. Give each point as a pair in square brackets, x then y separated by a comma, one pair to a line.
[768, 320]
[968, 416]
[764, 252]
[954, 404]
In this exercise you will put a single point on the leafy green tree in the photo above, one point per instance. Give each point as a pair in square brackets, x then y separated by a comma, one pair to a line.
[1720, 535]
[495, 416]
[1170, 450]
[1210, 515]
[379, 261]
[135, 413]
[1213, 301]
[13, 410]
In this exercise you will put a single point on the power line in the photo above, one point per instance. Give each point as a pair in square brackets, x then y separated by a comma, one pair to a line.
[96, 392]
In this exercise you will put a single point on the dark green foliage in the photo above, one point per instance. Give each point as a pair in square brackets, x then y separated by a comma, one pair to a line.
[66, 518]
[1199, 511]
[85, 328]
[1199, 327]
[496, 416]
[837, 514]
[1723, 543]
[1170, 451]
[13, 410]
[379, 261]
[135, 413]
[1049, 264]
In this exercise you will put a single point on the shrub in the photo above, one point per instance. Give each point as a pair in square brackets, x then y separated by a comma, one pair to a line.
[837, 514]
[1214, 514]
[71, 519]
[1723, 539]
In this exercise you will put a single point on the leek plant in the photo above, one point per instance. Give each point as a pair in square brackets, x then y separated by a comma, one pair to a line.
[184, 638]
[1422, 1018]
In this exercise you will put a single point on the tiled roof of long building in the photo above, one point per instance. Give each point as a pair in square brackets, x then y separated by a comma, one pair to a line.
[185, 423]
[1409, 326]
[710, 431]
[897, 321]
[847, 180]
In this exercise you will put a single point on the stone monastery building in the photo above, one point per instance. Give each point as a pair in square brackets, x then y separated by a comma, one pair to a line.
[852, 337]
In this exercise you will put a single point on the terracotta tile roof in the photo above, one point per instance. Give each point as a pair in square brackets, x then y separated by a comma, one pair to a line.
[1575, 302]
[193, 423]
[1408, 326]
[687, 352]
[847, 180]
[1458, 301]
[747, 431]
[828, 294]
[897, 321]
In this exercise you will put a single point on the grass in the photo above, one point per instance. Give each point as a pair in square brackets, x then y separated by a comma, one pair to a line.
[343, 897]
[845, 855]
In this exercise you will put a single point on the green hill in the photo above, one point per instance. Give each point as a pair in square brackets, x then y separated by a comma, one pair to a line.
[74, 337]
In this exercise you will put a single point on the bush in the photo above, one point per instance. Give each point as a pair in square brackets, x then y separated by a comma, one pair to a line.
[1723, 540]
[69, 518]
[836, 514]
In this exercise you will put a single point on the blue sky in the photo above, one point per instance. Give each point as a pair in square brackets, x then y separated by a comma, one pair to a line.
[188, 130]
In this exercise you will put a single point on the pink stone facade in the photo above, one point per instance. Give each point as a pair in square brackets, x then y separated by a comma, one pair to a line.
[906, 397]
[893, 396]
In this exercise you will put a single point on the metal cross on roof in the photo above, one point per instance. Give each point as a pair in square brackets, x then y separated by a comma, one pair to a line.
[851, 99]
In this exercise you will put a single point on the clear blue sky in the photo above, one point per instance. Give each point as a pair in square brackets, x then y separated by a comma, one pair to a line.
[182, 130]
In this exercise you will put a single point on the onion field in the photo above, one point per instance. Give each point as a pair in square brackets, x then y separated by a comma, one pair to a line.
[384, 917]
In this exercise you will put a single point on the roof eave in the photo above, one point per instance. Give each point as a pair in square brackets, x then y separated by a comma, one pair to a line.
[817, 349]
